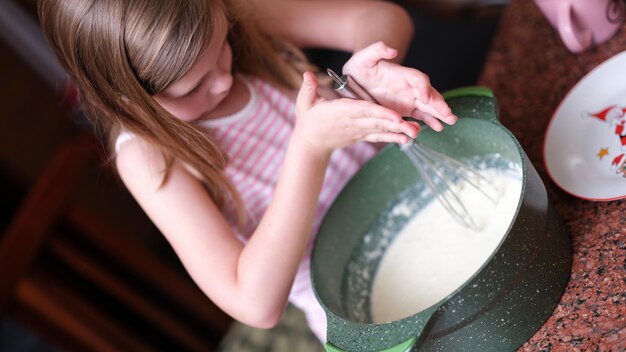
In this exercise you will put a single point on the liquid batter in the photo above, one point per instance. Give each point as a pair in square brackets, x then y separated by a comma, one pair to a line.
[433, 255]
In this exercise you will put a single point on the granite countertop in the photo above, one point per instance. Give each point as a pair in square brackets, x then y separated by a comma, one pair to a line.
[530, 71]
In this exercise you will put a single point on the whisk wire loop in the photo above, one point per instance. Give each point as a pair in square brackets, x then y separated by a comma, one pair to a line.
[447, 197]
[464, 171]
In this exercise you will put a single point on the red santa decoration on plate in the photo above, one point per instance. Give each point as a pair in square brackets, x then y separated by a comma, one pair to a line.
[615, 116]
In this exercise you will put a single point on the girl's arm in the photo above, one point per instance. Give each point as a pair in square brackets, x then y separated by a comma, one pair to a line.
[252, 282]
[249, 283]
[347, 25]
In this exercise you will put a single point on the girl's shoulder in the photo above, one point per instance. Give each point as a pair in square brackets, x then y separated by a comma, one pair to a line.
[128, 144]
[133, 152]
[137, 158]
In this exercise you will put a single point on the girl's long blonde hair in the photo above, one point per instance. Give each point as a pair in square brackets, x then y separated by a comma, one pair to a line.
[121, 52]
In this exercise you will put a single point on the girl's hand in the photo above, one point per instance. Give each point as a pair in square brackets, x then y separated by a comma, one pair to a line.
[397, 87]
[330, 124]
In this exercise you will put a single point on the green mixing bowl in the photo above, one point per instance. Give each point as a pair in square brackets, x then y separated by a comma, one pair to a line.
[500, 306]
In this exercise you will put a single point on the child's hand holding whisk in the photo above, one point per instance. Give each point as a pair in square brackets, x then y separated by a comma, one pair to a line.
[403, 89]
[331, 124]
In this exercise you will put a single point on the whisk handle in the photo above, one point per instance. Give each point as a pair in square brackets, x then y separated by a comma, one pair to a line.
[348, 88]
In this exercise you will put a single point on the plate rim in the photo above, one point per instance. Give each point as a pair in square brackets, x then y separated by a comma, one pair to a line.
[618, 56]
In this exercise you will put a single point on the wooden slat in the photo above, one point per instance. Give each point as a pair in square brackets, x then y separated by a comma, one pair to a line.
[137, 301]
[50, 332]
[71, 312]
[139, 261]
[43, 206]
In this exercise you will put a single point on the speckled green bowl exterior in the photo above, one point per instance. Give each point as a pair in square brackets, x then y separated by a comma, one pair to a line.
[503, 304]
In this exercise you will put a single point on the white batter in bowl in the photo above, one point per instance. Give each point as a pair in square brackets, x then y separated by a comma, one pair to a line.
[433, 255]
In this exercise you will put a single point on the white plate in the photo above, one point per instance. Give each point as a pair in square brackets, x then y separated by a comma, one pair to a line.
[584, 148]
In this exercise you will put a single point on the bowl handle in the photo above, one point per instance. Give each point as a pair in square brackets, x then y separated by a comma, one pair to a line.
[378, 337]
[474, 102]
[402, 347]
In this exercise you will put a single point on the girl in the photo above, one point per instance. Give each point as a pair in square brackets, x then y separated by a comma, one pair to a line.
[197, 98]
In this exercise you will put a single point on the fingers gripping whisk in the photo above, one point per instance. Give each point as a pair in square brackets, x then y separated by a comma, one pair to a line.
[443, 175]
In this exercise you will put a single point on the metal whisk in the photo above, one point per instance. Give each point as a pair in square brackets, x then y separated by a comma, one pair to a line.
[439, 171]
